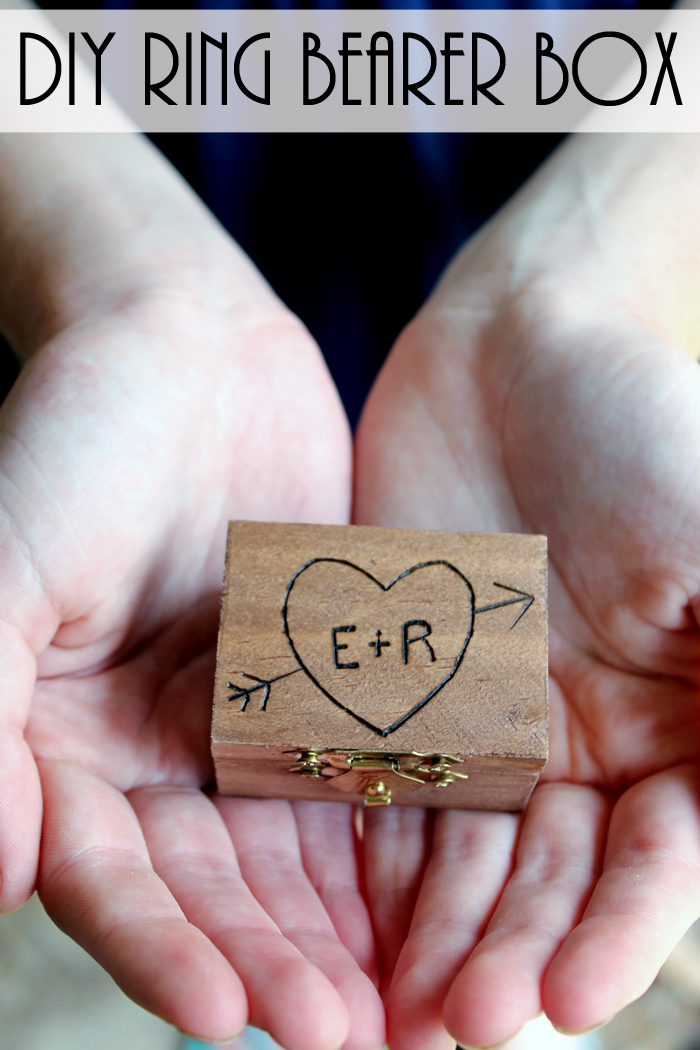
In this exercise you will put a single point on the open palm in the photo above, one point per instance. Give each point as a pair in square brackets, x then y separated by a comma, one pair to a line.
[542, 405]
[160, 402]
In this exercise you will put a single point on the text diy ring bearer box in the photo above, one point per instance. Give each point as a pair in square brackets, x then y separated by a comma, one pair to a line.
[382, 664]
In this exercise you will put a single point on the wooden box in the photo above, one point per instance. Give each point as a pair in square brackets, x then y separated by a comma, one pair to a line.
[382, 664]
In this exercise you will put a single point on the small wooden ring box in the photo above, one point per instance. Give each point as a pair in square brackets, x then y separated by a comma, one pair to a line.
[386, 665]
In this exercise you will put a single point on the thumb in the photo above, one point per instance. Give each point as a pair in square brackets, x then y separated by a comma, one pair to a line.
[28, 621]
[20, 791]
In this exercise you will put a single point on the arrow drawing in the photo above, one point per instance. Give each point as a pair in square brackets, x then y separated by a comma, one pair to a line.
[264, 684]
[527, 598]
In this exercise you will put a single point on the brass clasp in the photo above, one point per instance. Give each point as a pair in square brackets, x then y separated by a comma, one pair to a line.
[377, 775]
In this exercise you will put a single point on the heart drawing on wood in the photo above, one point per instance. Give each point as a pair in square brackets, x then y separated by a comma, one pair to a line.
[379, 651]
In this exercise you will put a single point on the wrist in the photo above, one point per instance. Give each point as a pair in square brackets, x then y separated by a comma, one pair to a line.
[90, 222]
[612, 220]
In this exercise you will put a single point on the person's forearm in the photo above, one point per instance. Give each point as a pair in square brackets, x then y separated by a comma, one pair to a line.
[613, 215]
[87, 221]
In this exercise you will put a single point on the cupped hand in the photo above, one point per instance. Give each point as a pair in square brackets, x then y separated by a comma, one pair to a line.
[543, 389]
[166, 391]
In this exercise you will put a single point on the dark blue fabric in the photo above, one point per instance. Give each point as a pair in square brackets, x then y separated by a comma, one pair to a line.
[353, 231]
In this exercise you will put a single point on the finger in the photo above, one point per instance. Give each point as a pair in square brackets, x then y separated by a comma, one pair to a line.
[97, 884]
[20, 788]
[472, 855]
[330, 853]
[192, 851]
[396, 844]
[647, 897]
[265, 837]
[558, 859]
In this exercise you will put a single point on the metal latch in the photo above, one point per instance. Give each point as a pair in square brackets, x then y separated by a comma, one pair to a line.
[377, 775]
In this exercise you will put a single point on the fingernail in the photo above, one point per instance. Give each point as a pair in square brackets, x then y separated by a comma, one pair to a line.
[494, 1046]
[212, 1042]
[584, 1031]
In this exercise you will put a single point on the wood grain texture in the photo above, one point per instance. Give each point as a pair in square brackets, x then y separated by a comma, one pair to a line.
[387, 640]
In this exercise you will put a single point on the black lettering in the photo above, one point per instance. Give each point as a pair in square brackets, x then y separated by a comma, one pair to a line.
[23, 38]
[223, 48]
[315, 52]
[264, 100]
[337, 646]
[547, 52]
[406, 641]
[346, 53]
[71, 69]
[447, 54]
[604, 101]
[188, 69]
[414, 88]
[98, 52]
[666, 67]
[388, 53]
[484, 88]
[156, 89]
[378, 645]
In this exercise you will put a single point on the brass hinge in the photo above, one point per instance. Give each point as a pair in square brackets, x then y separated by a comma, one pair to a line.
[377, 775]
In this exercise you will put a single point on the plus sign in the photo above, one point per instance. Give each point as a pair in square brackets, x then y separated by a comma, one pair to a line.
[377, 645]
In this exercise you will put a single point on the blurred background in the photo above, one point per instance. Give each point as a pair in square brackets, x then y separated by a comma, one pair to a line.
[54, 997]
